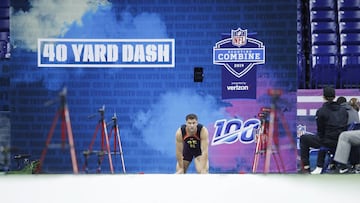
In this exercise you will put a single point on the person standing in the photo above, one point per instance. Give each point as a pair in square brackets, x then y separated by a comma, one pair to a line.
[192, 140]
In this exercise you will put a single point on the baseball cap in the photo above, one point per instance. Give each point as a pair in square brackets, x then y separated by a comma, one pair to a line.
[329, 92]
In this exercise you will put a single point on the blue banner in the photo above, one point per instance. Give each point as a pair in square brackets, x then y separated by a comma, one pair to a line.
[239, 54]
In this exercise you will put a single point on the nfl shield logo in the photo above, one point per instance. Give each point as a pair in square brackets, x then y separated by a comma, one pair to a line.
[238, 37]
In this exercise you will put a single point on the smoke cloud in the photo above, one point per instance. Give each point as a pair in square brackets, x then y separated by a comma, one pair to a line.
[43, 20]
[54, 18]
[66, 19]
[159, 124]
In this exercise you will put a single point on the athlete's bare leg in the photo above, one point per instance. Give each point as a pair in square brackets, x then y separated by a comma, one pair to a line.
[178, 169]
[201, 165]
[186, 165]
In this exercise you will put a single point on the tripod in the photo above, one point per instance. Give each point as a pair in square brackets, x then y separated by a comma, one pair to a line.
[115, 129]
[103, 146]
[268, 136]
[263, 139]
[65, 125]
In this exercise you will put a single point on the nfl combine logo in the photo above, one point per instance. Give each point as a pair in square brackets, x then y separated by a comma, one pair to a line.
[238, 37]
[239, 54]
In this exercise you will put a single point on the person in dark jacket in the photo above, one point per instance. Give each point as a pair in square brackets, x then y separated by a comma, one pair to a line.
[331, 120]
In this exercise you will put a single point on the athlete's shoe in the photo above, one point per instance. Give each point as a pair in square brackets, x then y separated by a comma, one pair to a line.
[316, 171]
[341, 169]
[304, 171]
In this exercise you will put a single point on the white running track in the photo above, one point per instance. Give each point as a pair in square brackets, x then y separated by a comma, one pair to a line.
[171, 188]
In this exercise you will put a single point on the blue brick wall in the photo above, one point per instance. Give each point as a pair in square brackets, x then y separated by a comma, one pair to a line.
[150, 103]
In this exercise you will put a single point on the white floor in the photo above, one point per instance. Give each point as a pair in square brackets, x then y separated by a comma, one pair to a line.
[169, 188]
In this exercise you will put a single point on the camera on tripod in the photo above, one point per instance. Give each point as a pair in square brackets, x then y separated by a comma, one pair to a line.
[275, 92]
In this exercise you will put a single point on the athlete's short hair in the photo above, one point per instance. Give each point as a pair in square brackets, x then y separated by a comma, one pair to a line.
[191, 117]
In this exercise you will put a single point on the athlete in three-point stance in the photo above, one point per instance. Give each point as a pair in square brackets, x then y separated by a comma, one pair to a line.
[192, 141]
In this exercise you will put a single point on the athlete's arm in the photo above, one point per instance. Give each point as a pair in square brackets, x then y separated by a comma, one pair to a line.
[204, 137]
[179, 152]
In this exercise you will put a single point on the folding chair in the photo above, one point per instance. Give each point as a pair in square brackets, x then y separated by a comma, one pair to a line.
[329, 158]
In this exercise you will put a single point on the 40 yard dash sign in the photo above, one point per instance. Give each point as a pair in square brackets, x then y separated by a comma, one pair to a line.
[114, 53]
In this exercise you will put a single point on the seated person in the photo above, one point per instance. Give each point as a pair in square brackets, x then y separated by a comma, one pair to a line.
[352, 109]
[331, 120]
[347, 140]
